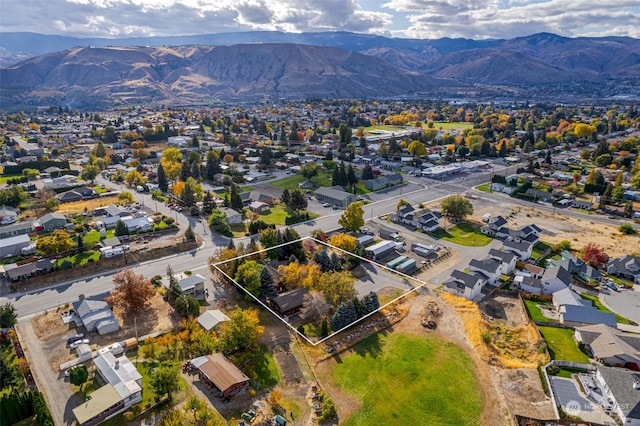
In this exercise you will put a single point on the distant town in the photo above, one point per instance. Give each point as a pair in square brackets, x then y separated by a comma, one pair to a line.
[356, 262]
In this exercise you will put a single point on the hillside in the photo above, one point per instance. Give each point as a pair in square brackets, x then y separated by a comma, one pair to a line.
[198, 73]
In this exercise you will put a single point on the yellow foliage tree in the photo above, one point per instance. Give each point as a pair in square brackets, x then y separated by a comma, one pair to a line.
[344, 242]
[171, 162]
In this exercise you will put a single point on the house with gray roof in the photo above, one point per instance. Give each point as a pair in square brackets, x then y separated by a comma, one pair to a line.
[578, 267]
[335, 196]
[529, 284]
[466, 285]
[522, 249]
[211, 318]
[577, 315]
[8, 215]
[15, 272]
[506, 259]
[489, 268]
[626, 267]
[51, 221]
[96, 315]
[11, 246]
[383, 182]
[18, 228]
[193, 286]
[555, 279]
[610, 345]
[621, 389]
[290, 302]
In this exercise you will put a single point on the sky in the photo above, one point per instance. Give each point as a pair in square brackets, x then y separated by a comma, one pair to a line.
[425, 19]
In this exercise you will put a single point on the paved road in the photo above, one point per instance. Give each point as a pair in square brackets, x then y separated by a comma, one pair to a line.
[624, 302]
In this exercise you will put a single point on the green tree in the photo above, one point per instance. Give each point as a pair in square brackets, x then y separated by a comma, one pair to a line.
[163, 183]
[402, 202]
[456, 207]
[13, 196]
[417, 148]
[248, 276]
[310, 170]
[121, 229]
[297, 201]
[8, 374]
[165, 380]
[236, 201]
[189, 235]
[99, 150]
[90, 173]
[352, 218]
[8, 317]
[218, 222]
[79, 375]
[285, 198]
[268, 238]
[367, 173]
[242, 331]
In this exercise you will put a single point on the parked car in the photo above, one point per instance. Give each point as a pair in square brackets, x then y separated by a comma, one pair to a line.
[326, 205]
[611, 285]
[79, 342]
[75, 337]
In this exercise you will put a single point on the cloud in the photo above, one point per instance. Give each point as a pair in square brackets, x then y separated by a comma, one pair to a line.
[403, 18]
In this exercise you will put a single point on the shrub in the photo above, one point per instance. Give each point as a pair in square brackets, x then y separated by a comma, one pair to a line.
[627, 228]
[66, 264]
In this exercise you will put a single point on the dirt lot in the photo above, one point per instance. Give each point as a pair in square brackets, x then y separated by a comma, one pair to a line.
[79, 206]
[48, 327]
[557, 227]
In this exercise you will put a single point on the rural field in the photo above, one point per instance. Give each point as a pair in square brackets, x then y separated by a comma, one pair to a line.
[417, 380]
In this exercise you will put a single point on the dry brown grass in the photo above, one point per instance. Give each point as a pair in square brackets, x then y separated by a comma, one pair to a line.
[79, 206]
[508, 347]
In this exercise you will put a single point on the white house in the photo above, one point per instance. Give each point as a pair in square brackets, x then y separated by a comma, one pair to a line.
[507, 260]
[123, 389]
[466, 285]
[555, 279]
[489, 268]
[7, 215]
[233, 217]
[621, 390]
[211, 319]
[521, 249]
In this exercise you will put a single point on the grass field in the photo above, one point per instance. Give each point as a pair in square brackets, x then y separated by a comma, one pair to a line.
[5, 178]
[540, 250]
[80, 258]
[561, 344]
[534, 310]
[409, 380]
[447, 125]
[464, 234]
[291, 183]
[596, 302]
[484, 187]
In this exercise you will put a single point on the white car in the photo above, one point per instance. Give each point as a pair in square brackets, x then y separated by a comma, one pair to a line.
[78, 343]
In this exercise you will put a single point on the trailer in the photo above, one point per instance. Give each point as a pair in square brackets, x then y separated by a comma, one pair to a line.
[395, 262]
[387, 234]
[424, 246]
[407, 266]
[364, 240]
[380, 250]
[423, 252]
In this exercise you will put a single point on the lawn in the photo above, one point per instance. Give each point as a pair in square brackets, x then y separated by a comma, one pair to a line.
[291, 183]
[464, 234]
[277, 214]
[5, 178]
[146, 370]
[561, 344]
[484, 187]
[445, 125]
[402, 379]
[259, 365]
[535, 312]
[91, 238]
[596, 302]
[540, 250]
[79, 258]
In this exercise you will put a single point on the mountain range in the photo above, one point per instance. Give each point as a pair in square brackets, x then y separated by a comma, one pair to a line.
[259, 65]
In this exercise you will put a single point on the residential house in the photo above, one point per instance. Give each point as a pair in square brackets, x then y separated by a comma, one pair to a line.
[528, 233]
[576, 315]
[463, 284]
[428, 220]
[555, 279]
[69, 196]
[610, 345]
[139, 224]
[566, 296]
[290, 302]
[626, 267]
[404, 215]
[18, 228]
[335, 195]
[621, 391]
[528, 284]
[496, 227]
[96, 315]
[383, 182]
[535, 270]
[192, 286]
[14, 272]
[112, 211]
[111, 221]
[489, 268]
[584, 205]
[8, 215]
[506, 259]
[538, 195]
[122, 389]
[51, 221]
[578, 268]
[233, 217]
[521, 249]
[218, 372]
[258, 207]
[210, 319]
[11, 246]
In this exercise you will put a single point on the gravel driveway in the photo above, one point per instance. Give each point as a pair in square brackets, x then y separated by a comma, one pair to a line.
[60, 399]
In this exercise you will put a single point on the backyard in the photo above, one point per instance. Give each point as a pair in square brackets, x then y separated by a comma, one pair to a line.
[464, 234]
[534, 310]
[277, 215]
[417, 380]
[561, 345]
[292, 182]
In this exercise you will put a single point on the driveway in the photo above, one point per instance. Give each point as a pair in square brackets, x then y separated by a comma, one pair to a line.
[575, 403]
[624, 302]
[60, 399]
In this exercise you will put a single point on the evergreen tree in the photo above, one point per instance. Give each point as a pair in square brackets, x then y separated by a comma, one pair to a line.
[297, 201]
[335, 180]
[194, 141]
[189, 235]
[343, 175]
[351, 176]
[329, 155]
[367, 173]
[371, 302]
[286, 197]
[195, 170]
[235, 201]
[335, 262]
[121, 229]
[208, 204]
[185, 171]
[323, 260]
[163, 184]
[213, 165]
[324, 328]
[345, 314]
[267, 287]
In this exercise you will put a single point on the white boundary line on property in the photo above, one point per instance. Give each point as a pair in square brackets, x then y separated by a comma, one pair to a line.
[405, 276]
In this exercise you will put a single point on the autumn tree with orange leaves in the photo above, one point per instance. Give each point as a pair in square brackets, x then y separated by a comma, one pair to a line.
[132, 292]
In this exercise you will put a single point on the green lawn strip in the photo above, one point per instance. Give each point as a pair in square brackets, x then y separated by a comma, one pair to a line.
[535, 311]
[464, 234]
[100, 189]
[277, 214]
[146, 370]
[484, 187]
[445, 125]
[91, 238]
[561, 344]
[596, 302]
[292, 182]
[5, 178]
[79, 258]
[384, 127]
[410, 380]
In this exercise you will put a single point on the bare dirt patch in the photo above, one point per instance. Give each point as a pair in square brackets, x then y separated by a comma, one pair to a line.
[76, 207]
[508, 310]
[523, 392]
